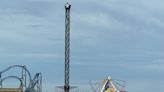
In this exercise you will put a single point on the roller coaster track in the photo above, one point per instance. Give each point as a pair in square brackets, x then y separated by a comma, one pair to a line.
[36, 81]
[13, 77]
[34, 85]
[14, 66]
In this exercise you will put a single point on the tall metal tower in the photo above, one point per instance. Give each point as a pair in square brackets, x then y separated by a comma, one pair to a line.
[66, 86]
[67, 47]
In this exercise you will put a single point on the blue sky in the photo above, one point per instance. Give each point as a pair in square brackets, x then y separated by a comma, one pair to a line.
[121, 38]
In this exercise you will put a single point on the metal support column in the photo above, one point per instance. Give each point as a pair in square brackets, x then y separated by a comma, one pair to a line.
[0, 80]
[67, 46]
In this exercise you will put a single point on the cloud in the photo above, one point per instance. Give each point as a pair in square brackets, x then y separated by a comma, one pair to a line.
[36, 55]
[144, 85]
[119, 38]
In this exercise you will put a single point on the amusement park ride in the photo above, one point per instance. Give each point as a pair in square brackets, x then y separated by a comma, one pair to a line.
[111, 85]
[27, 84]
[108, 85]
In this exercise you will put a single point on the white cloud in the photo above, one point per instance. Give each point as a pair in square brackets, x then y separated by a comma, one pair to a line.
[36, 55]
[93, 19]
[144, 85]
[122, 38]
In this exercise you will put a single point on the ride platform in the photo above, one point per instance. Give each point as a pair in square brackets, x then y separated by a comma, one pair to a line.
[11, 90]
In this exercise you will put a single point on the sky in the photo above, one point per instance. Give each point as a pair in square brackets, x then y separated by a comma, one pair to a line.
[118, 38]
